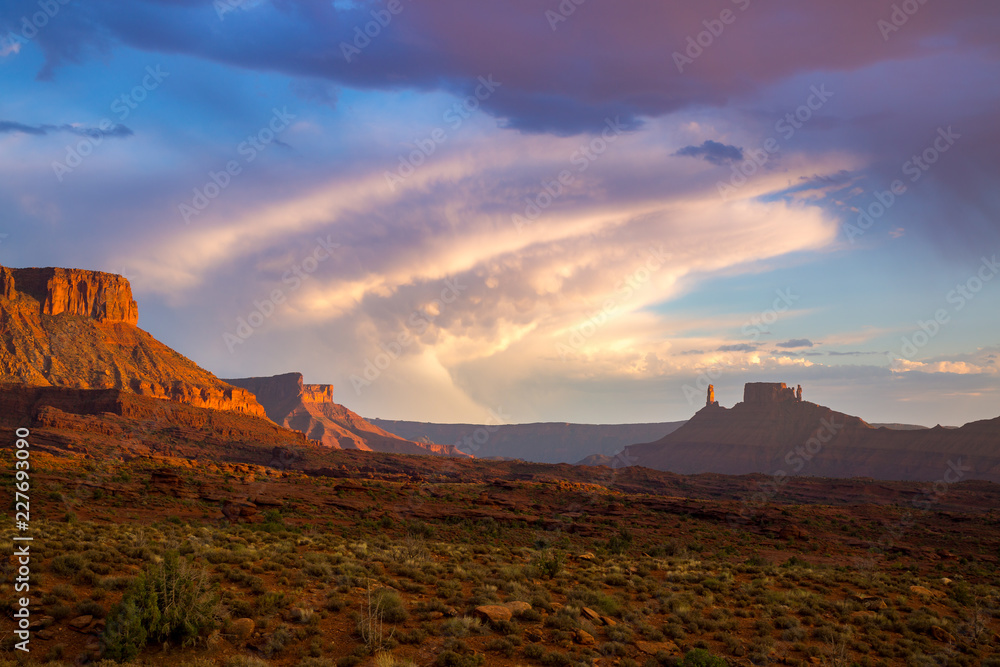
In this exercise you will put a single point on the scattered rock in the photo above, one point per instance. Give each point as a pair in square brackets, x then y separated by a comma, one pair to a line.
[652, 648]
[533, 635]
[925, 592]
[608, 621]
[494, 613]
[80, 622]
[584, 638]
[585, 556]
[239, 510]
[946, 581]
[435, 615]
[518, 607]
[942, 635]
[45, 634]
[590, 614]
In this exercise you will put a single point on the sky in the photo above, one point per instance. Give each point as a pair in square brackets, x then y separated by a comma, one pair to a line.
[580, 211]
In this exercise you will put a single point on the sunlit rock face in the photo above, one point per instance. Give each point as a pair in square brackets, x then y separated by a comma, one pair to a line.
[75, 328]
[309, 408]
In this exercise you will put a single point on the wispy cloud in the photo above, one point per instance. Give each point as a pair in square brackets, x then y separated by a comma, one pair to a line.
[13, 127]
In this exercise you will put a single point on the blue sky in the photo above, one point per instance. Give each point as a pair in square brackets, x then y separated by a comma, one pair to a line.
[426, 257]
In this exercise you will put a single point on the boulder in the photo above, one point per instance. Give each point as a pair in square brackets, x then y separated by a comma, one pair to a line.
[925, 592]
[80, 622]
[652, 648]
[584, 638]
[517, 607]
[942, 635]
[494, 613]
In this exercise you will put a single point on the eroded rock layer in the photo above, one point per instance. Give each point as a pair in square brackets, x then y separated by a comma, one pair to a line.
[77, 329]
[309, 408]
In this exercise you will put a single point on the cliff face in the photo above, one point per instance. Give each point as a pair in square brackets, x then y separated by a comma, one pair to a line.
[774, 431]
[76, 329]
[103, 297]
[309, 408]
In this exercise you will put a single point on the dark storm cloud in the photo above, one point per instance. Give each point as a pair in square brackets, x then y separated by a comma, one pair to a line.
[603, 61]
[714, 152]
[13, 127]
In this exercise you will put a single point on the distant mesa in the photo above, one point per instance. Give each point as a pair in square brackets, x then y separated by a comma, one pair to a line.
[774, 432]
[310, 408]
[77, 329]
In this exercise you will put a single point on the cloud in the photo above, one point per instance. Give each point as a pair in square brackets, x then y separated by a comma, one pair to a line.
[713, 152]
[741, 347]
[557, 81]
[795, 343]
[13, 127]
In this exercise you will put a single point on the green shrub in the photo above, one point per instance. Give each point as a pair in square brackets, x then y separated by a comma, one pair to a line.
[702, 658]
[168, 602]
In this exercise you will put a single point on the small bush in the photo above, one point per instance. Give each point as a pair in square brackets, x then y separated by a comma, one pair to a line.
[169, 601]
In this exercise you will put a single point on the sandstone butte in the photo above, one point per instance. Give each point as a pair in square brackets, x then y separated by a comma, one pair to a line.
[77, 329]
[774, 432]
[309, 408]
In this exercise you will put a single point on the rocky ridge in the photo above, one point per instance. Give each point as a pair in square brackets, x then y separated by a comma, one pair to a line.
[78, 329]
[310, 409]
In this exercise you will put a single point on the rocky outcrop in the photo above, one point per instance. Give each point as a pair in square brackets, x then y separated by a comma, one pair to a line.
[767, 392]
[104, 297]
[309, 408]
[76, 329]
[775, 433]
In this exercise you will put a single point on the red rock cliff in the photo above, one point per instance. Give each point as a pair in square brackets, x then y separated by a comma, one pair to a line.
[104, 297]
[309, 408]
[77, 329]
